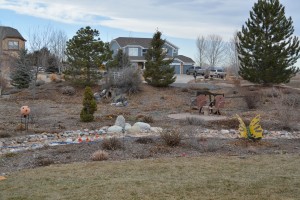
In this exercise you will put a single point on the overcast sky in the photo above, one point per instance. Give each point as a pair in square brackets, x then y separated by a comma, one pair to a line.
[181, 22]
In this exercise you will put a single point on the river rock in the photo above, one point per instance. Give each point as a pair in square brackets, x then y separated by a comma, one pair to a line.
[223, 131]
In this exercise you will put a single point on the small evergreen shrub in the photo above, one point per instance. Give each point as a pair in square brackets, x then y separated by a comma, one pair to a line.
[89, 106]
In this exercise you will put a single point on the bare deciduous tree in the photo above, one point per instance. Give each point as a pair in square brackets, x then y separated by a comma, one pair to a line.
[234, 62]
[201, 47]
[215, 51]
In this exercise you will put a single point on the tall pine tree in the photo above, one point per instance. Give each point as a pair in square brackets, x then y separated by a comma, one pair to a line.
[120, 61]
[86, 53]
[158, 71]
[267, 50]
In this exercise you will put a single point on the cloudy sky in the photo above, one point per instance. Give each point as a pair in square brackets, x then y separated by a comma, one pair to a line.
[181, 22]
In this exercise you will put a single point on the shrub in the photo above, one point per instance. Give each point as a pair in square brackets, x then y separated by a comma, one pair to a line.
[111, 144]
[89, 106]
[68, 90]
[128, 79]
[144, 140]
[195, 121]
[252, 100]
[53, 77]
[171, 137]
[44, 161]
[287, 112]
[99, 155]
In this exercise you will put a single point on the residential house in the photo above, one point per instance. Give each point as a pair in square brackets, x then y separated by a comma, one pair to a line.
[11, 42]
[136, 48]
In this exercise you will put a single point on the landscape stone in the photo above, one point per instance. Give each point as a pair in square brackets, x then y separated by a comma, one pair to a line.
[223, 131]
[156, 129]
[143, 126]
[134, 130]
[127, 126]
[120, 121]
[115, 129]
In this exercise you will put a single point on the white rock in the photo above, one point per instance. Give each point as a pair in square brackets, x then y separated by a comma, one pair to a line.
[115, 129]
[69, 140]
[223, 131]
[134, 130]
[120, 121]
[127, 126]
[156, 129]
[1, 144]
[143, 126]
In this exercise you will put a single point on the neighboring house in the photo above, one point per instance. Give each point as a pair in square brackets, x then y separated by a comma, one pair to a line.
[136, 48]
[11, 42]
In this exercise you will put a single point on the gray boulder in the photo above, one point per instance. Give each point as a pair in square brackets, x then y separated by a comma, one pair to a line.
[120, 121]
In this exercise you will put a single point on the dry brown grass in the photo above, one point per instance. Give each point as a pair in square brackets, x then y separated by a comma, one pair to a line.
[99, 155]
[251, 177]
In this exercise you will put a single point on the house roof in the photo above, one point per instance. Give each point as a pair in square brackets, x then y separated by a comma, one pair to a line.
[184, 59]
[8, 32]
[144, 42]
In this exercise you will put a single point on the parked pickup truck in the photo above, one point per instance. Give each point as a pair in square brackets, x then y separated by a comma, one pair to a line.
[199, 71]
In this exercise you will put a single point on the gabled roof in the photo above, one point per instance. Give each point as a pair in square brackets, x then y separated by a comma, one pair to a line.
[144, 42]
[8, 32]
[184, 59]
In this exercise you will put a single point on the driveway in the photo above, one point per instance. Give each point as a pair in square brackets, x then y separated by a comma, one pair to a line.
[183, 78]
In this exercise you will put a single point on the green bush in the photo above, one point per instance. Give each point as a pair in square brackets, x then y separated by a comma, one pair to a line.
[89, 106]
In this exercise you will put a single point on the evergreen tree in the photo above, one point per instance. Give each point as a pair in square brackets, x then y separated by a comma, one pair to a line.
[89, 106]
[21, 76]
[158, 71]
[86, 53]
[267, 50]
[121, 60]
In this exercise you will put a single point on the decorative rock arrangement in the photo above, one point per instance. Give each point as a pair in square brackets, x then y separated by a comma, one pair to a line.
[119, 129]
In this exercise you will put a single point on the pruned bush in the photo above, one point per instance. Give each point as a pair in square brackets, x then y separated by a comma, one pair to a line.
[44, 161]
[195, 121]
[287, 112]
[89, 106]
[171, 137]
[68, 90]
[53, 77]
[128, 79]
[252, 99]
[111, 144]
[144, 140]
[99, 155]
[39, 82]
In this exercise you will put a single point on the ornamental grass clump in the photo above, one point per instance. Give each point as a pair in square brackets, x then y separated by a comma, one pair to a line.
[171, 137]
[99, 155]
[111, 144]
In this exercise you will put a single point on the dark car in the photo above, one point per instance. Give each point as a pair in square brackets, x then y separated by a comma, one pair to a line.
[191, 70]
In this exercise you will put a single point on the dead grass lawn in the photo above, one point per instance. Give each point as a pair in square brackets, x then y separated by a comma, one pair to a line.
[252, 177]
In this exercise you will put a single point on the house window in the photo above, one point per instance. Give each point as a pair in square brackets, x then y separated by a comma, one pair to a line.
[144, 51]
[13, 44]
[133, 51]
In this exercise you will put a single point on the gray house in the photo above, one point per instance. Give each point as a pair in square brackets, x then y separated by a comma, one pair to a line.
[136, 48]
